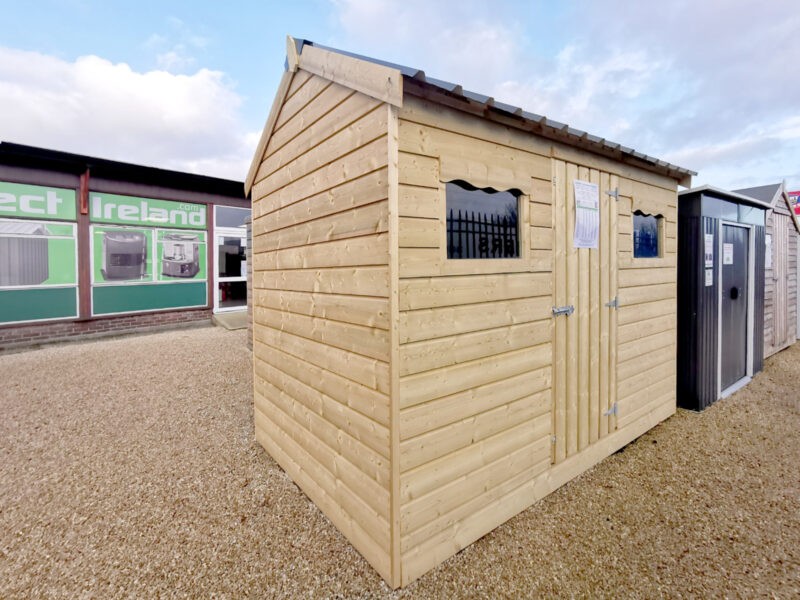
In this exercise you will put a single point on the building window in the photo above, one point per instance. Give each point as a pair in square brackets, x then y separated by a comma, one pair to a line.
[481, 223]
[646, 235]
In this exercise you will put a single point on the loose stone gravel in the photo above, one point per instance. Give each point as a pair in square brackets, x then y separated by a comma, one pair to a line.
[129, 469]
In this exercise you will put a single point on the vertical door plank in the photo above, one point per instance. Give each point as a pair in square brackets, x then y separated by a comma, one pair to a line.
[584, 316]
[607, 205]
[595, 306]
[573, 375]
[560, 295]
[613, 292]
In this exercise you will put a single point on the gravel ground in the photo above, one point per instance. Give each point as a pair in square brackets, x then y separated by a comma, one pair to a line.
[129, 469]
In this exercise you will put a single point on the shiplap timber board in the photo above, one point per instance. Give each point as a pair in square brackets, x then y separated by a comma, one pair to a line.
[648, 360]
[482, 163]
[446, 509]
[361, 251]
[367, 431]
[423, 387]
[423, 356]
[364, 220]
[642, 312]
[367, 401]
[641, 329]
[366, 371]
[366, 341]
[420, 202]
[338, 201]
[417, 170]
[353, 281]
[432, 262]
[310, 89]
[441, 412]
[329, 107]
[371, 157]
[337, 128]
[450, 291]
[301, 468]
[299, 80]
[647, 293]
[434, 475]
[419, 232]
[644, 377]
[440, 442]
[664, 387]
[359, 133]
[638, 277]
[432, 323]
[572, 349]
[340, 453]
[636, 348]
[359, 310]
[559, 414]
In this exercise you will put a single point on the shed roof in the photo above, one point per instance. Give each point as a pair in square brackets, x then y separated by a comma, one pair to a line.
[773, 194]
[388, 82]
[725, 195]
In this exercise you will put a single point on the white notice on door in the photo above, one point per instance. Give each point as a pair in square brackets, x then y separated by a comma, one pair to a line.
[727, 254]
[587, 214]
[709, 277]
[709, 250]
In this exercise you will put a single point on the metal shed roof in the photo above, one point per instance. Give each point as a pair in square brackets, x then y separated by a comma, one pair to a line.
[725, 195]
[541, 124]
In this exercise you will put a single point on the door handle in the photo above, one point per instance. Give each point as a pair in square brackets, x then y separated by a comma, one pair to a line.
[734, 293]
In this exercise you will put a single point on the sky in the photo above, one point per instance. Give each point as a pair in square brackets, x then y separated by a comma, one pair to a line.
[713, 86]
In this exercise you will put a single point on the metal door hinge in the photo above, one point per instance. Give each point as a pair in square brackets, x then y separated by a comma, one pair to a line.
[614, 303]
[613, 193]
[611, 411]
[563, 310]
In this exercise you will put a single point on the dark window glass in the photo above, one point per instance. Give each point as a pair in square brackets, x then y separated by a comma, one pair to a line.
[231, 257]
[645, 235]
[481, 223]
[229, 216]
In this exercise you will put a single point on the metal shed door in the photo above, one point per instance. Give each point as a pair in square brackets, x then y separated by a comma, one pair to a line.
[585, 342]
[734, 304]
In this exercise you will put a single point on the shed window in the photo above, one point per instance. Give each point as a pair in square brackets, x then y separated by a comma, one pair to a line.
[646, 235]
[481, 222]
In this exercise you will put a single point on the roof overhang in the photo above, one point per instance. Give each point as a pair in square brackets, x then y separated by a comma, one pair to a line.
[726, 195]
[388, 82]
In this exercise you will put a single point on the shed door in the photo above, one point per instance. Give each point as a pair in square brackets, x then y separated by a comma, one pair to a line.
[733, 307]
[585, 342]
[780, 275]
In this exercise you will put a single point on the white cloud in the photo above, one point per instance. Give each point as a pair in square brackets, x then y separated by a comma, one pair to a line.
[92, 106]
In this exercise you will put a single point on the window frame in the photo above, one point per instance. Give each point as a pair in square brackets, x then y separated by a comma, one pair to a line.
[660, 235]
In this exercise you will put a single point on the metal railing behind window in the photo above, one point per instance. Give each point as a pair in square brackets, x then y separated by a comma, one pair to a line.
[471, 235]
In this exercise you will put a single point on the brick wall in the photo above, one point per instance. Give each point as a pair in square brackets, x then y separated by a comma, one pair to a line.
[32, 334]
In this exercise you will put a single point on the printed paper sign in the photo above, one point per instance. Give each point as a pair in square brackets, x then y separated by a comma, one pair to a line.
[768, 249]
[709, 277]
[587, 214]
[727, 254]
[709, 250]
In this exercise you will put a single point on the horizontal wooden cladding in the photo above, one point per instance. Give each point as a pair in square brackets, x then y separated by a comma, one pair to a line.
[647, 360]
[425, 355]
[341, 507]
[420, 202]
[432, 262]
[662, 387]
[642, 312]
[366, 159]
[302, 91]
[368, 250]
[334, 108]
[359, 310]
[362, 469]
[369, 372]
[367, 401]
[353, 281]
[427, 386]
[638, 277]
[311, 154]
[431, 323]
[418, 233]
[451, 291]
[363, 190]
[414, 169]
[640, 329]
[647, 293]
[458, 465]
[482, 163]
[637, 347]
[367, 341]
[352, 222]
[423, 418]
[457, 500]
[454, 436]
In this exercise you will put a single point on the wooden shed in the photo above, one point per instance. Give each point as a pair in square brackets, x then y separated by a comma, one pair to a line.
[780, 286]
[432, 352]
